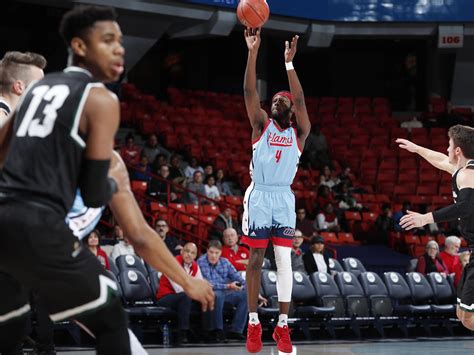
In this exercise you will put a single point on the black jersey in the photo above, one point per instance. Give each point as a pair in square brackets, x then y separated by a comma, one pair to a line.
[466, 224]
[45, 154]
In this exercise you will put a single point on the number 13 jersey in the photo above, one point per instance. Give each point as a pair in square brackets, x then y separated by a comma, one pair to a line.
[275, 156]
[45, 154]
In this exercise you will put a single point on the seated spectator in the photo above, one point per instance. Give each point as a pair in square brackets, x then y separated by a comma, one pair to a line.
[327, 220]
[208, 170]
[385, 225]
[325, 196]
[160, 160]
[398, 215]
[413, 123]
[346, 176]
[197, 186]
[158, 188]
[304, 224]
[222, 185]
[142, 170]
[176, 173]
[211, 189]
[161, 227]
[297, 263]
[192, 168]
[346, 200]
[464, 258]
[92, 241]
[151, 148]
[238, 255]
[223, 221]
[430, 261]
[130, 153]
[123, 247]
[316, 259]
[450, 254]
[228, 287]
[171, 295]
[327, 178]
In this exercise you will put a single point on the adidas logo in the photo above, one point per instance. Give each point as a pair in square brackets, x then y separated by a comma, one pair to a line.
[253, 234]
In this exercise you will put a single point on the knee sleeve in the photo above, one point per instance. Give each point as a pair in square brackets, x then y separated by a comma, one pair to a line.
[284, 273]
[109, 326]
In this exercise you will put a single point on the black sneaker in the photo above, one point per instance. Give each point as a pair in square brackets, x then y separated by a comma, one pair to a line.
[183, 337]
[220, 336]
[235, 336]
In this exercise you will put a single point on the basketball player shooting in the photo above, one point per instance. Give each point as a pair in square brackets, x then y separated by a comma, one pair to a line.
[460, 164]
[269, 203]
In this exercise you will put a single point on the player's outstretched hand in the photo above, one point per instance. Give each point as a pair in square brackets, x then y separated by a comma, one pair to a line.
[201, 291]
[412, 220]
[406, 144]
[252, 38]
[290, 49]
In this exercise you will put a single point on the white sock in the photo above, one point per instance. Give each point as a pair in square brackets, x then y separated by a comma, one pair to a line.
[253, 318]
[283, 320]
[135, 346]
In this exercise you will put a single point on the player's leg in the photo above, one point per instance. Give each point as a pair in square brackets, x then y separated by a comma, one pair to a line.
[256, 227]
[14, 315]
[465, 292]
[284, 220]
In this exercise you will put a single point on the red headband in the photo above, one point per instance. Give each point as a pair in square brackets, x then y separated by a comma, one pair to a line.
[286, 94]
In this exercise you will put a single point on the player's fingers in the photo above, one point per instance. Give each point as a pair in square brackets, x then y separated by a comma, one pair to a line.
[287, 45]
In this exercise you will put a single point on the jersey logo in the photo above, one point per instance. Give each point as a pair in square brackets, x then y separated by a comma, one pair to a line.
[280, 141]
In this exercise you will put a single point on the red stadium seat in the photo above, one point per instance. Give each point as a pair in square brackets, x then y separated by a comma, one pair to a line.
[139, 187]
[330, 238]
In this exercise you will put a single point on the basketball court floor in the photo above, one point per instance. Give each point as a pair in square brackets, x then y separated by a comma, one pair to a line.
[420, 346]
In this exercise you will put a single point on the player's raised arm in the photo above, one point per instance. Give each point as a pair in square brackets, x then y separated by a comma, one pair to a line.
[302, 119]
[257, 116]
[437, 159]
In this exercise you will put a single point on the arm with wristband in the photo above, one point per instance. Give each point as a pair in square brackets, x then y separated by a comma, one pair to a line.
[303, 125]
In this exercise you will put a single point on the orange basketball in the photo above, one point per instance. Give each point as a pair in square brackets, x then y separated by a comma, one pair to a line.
[253, 13]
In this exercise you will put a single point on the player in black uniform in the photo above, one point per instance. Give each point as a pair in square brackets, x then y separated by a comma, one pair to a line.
[62, 139]
[460, 163]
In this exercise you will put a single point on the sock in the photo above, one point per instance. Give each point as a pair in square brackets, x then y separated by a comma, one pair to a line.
[253, 318]
[283, 320]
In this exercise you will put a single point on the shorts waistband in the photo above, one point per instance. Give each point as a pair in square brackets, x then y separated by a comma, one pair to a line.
[271, 188]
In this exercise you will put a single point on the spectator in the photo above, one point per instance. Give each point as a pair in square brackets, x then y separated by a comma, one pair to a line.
[464, 259]
[161, 227]
[151, 148]
[413, 123]
[160, 160]
[346, 176]
[297, 263]
[142, 170]
[430, 261]
[315, 153]
[92, 241]
[158, 188]
[176, 173]
[222, 185]
[324, 196]
[316, 259]
[192, 168]
[450, 254]
[327, 220]
[346, 200]
[385, 225]
[171, 295]
[130, 152]
[197, 186]
[123, 247]
[208, 170]
[223, 221]
[327, 178]
[304, 224]
[238, 255]
[398, 215]
[228, 288]
[211, 189]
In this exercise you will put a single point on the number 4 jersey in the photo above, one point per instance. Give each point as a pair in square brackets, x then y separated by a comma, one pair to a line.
[45, 153]
[275, 156]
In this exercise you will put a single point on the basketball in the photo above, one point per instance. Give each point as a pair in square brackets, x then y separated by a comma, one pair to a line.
[253, 13]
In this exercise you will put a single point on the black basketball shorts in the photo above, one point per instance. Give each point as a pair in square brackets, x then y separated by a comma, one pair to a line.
[39, 252]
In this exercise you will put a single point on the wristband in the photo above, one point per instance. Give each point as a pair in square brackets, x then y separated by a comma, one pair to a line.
[289, 66]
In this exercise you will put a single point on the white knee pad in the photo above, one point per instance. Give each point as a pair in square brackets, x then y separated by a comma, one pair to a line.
[284, 273]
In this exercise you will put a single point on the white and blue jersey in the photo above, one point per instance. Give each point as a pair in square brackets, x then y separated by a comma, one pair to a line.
[269, 203]
[82, 219]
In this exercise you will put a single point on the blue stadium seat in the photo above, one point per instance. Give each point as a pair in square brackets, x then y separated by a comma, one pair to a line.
[113, 267]
[444, 299]
[269, 291]
[335, 265]
[354, 266]
[127, 262]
